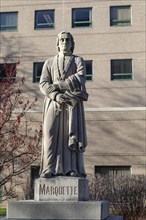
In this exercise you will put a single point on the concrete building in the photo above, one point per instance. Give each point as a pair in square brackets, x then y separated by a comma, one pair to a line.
[110, 36]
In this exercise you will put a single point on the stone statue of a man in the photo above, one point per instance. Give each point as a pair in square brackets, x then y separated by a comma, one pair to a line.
[64, 133]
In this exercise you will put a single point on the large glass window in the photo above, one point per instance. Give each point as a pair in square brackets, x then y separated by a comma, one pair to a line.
[121, 69]
[120, 15]
[37, 69]
[8, 71]
[89, 69]
[112, 170]
[8, 21]
[81, 17]
[44, 19]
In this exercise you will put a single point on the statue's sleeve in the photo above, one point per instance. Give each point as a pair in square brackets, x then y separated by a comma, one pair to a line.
[46, 80]
[77, 81]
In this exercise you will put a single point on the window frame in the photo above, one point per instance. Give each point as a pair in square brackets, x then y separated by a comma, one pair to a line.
[82, 22]
[7, 27]
[116, 22]
[36, 77]
[39, 26]
[90, 75]
[130, 74]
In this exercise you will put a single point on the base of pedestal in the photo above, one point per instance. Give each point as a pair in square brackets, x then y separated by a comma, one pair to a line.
[35, 210]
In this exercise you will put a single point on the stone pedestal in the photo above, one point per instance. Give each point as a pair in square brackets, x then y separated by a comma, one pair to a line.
[61, 189]
[60, 198]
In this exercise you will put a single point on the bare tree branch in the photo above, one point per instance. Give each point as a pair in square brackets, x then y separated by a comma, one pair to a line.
[19, 148]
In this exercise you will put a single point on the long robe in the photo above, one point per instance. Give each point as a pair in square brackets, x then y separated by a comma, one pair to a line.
[64, 131]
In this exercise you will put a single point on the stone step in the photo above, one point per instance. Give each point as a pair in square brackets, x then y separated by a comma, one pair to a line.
[41, 210]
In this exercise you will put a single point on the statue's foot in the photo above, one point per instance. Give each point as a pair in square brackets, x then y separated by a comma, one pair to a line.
[72, 173]
[46, 175]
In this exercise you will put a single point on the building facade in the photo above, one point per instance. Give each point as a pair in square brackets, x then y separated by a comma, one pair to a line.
[110, 36]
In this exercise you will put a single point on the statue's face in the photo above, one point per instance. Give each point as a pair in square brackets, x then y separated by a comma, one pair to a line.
[65, 43]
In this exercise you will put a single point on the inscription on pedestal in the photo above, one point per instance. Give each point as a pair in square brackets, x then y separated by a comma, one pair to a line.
[61, 189]
[58, 190]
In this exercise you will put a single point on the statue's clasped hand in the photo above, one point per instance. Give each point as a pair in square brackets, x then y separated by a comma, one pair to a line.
[71, 102]
[63, 98]
[60, 98]
[53, 87]
[58, 86]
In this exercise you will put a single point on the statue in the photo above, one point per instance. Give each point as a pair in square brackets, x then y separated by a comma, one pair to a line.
[64, 133]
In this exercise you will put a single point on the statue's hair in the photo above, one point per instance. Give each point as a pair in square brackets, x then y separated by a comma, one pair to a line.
[71, 37]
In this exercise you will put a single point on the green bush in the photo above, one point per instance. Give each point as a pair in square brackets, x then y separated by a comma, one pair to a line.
[3, 211]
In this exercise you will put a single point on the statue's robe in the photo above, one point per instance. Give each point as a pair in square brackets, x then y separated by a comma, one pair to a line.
[64, 131]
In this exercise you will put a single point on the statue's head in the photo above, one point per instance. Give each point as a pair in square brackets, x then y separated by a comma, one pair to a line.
[65, 38]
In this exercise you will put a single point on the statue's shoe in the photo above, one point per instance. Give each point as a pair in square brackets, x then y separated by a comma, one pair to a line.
[72, 173]
[46, 175]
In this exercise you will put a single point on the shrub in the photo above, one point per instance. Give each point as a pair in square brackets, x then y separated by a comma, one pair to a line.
[2, 212]
[126, 193]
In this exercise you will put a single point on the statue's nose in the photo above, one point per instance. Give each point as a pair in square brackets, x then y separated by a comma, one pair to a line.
[65, 41]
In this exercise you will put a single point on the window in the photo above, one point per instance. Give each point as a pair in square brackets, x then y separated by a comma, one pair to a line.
[34, 175]
[44, 19]
[113, 170]
[8, 21]
[120, 16]
[34, 172]
[37, 69]
[81, 17]
[89, 75]
[121, 69]
[8, 71]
